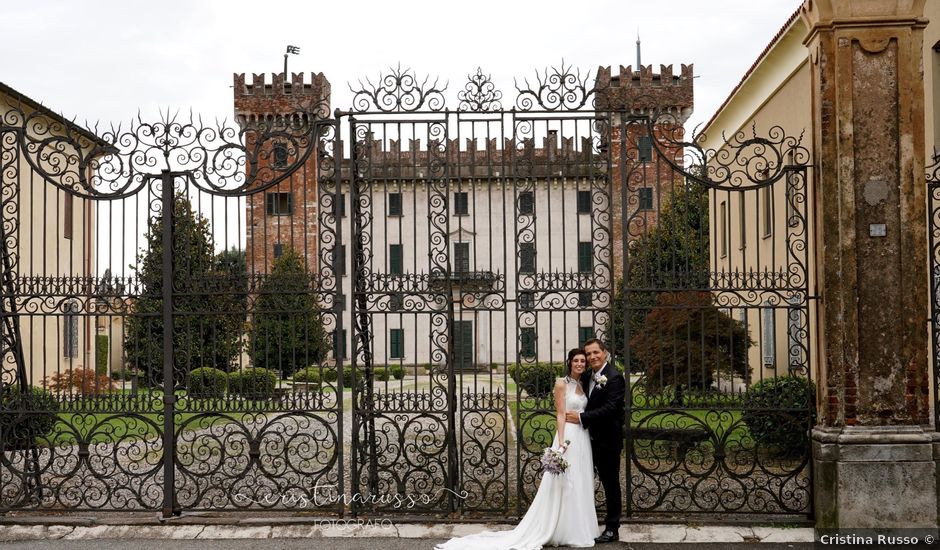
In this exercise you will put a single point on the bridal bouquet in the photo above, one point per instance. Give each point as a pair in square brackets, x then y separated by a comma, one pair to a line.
[553, 462]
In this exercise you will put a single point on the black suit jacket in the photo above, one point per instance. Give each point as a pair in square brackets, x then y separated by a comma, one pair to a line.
[603, 415]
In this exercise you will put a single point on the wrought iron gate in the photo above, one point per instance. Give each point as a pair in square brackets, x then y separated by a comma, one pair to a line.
[405, 283]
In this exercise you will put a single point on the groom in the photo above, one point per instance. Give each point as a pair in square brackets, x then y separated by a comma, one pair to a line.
[603, 418]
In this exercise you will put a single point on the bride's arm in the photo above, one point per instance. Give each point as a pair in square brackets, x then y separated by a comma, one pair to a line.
[560, 410]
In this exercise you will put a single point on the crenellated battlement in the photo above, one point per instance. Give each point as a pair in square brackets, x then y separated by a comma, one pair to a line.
[277, 97]
[555, 157]
[641, 91]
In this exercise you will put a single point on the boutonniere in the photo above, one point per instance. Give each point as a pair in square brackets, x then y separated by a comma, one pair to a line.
[601, 381]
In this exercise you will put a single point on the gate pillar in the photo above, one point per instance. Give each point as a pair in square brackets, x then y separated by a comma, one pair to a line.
[873, 455]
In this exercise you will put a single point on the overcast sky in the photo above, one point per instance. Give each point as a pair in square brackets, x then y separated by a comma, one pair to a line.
[107, 60]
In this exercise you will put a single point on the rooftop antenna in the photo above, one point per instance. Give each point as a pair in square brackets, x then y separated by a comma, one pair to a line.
[637, 50]
[290, 50]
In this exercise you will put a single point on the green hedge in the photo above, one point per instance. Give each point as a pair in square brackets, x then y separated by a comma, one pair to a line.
[773, 427]
[309, 375]
[398, 372]
[207, 383]
[24, 418]
[253, 383]
[536, 379]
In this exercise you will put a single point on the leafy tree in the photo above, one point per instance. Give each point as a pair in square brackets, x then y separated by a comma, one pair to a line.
[677, 334]
[229, 281]
[686, 340]
[206, 327]
[672, 255]
[286, 329]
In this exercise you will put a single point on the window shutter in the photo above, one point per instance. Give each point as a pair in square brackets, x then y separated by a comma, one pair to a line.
[767, 338]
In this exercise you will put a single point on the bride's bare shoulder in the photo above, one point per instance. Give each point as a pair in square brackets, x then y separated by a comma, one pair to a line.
[561, 381]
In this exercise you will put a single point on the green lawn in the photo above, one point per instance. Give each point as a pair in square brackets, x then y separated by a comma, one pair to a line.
[723, 422]
[98, 427]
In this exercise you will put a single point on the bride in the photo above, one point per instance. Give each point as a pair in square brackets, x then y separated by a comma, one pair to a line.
[562, 512]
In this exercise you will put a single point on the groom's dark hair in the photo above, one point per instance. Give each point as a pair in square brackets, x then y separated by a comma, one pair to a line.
[597, 341]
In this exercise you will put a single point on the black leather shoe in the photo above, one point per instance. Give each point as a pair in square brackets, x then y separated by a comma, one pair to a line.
[607, 536]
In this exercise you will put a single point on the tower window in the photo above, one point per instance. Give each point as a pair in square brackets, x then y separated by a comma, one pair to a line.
[280, 155]
[279, 204]
[645, 145]
[646, 198]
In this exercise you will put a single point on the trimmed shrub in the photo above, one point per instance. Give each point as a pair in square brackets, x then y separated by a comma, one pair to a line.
[775, 413]
[253, 383]
[330, 374]
[24, 418]
[380, 374]
[207, 383]
[347, 377]
[287, 332]
[398, 372]
[309, 375]
[536, 379]
[82, 382]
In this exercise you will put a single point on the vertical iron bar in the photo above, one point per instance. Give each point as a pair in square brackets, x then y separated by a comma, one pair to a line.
[625, 269]
[339, 342]
[169, 451]
[451, 350]
[339, 303]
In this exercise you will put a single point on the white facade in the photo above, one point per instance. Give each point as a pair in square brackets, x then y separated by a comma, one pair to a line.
[492, 231]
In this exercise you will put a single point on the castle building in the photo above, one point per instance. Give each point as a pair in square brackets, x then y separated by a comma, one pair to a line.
[532, 215]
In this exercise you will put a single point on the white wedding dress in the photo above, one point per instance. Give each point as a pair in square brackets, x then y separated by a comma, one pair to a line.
[562, 512]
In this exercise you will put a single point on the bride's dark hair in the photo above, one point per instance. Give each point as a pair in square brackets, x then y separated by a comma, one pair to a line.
[571, 355]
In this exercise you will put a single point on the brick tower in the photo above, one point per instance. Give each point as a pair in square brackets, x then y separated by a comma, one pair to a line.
[642, 178]
[284, 215]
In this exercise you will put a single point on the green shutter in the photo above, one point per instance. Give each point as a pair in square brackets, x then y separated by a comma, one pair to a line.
[527, 258]
[397, 340]
[395, 259]
[462, 257]
[527, 337]
[585, 257]
[584, 334]
[584, 202]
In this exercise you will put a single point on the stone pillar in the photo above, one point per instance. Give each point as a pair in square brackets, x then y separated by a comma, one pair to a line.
[872, 450]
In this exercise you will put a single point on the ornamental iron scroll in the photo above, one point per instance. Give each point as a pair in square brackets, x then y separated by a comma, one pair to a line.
[115, 163]
[480, 94]
[745, 160]
[556, 89]
[398, 91]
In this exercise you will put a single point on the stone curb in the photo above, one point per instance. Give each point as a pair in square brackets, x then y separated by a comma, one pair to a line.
[654, 533]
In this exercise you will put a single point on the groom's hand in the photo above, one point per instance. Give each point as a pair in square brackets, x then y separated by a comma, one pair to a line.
[573, 417]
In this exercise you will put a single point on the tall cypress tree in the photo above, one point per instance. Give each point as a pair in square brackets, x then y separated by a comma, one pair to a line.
[208, 317]
[286, 332]
[664, 297]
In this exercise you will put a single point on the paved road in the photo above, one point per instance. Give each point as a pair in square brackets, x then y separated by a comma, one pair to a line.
[338, 544]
